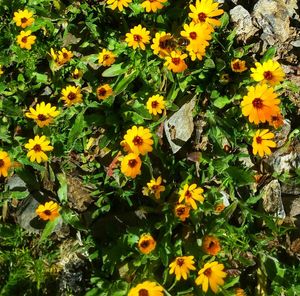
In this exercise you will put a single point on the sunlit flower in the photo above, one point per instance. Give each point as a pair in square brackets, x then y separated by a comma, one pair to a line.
[238, 65]
[64, 56]
[131, 165]
[239, 292]
[23, 18]
[211, 245]
[219, 208]
[205, 11]
[269, 72]
[138, 37]
[163, 44]
[262, 142]
[5, 163]
[260, 103]
[147, 288]
[106, 58]
[77, 74]
[153, 5]
[197, 54]
[175, 62]
[37, 148]
[154, 187]
[276, 120]
[139, 139]
[71, 95]
[1, 70]
[155, 104]
[146, 243]
[181, 266]
[48, 211]
[125, 146]
[120, 4]
[25, 39]
[191, 193]
[211, 274]
[104, 91]
[182, 211]
[43, 114]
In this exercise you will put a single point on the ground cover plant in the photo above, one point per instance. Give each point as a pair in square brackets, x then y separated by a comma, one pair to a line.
[141, 152]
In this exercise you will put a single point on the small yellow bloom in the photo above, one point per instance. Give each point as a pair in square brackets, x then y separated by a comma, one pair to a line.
[181, 266]
[276, 120]
[63, 56]
[1, 70]
[155, 187]
[190, 194]
[37, 148]
[106, 58]
[211, 245]
[197, 54]
[131, 165]
[43, 114]
[48, 211]
[153, 5]
[120, 4]
[146, 243]
[71, 95]
[175, 62]
[25, 39]
[163, 44]
[211, 274]
[182, 211]
[238, 65]
[138, 37]
[147, 288]
[262, 141]
[5, 163]
[156, 104]
[104, 91]
[240, 292]
[77, 74]
[23, 18]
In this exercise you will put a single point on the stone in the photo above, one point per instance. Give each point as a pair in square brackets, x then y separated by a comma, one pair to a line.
[281, 135]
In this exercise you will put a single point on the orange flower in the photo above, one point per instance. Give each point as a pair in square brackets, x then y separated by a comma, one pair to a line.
[146, 243]
[182, 211]
[238, 66]
[175, 62]
[211, 245]
[276, 120]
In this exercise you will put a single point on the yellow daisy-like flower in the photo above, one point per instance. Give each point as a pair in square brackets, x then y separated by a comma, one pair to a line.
[147, 288]
[131, 165]
[262, 141]
[197, 54]
[104, 91]
[48, 211]
[37, 148]
[211, 274]
[211, 245]
[175, 62]
[155, 187]
[238, 65]
[23, 18]
[125, 146]
[240, 292]
[120, 4]
[156, 104]
[5, 163]
[1, 70]
[163, 44]
[182, 211]
[190, 193]
[25, 39]
[139, 140]
[276, 120]
[269, 72]
[260, 103]
[146, 243]
[205, 11]
[43, 114]
[153, 5]
[71, 95]
[77, 74]
[63, 56]
[106, 58]
[138, 37]
[181, 266]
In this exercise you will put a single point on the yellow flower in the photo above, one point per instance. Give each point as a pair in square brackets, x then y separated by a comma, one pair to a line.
[155, 104]
[155, 187]
[37, 148]
[211, 245]
[276, 120]
[182, 266]
[64, 56]
[76, 74]
[104, 91]
[268, 72]
[260, 103]
[106, 58]
[1, 70]
[219, 208]
[120, 4]
[125, 146]
[43, 114]
[205, 11]
[147, 288]
[48, 211]
[262, 141]
[197, 54]
[25, 39]
[131, 165]
[238, 65]
[175, 62]
[139, 140]
[153, 5]
[240, 292]
[5, 163]
[163, 44]
[138, 37]
[211, 274]
[146, 243]
[190, 194]
[182, 211]
[23, 18]
[71, 95]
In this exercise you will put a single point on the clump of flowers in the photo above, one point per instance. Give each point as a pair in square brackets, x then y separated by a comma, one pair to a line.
[25, 39]
[5, 163]
[181, 266]
[138, 37]
[23, 18]
[37, 148]
[71, 95]
[106, 58]
[146, 243]
[190, 194]
[48, 211]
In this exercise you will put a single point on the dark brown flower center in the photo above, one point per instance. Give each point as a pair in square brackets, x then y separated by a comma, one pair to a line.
[268, 75]
[65, 55]
[71, 96]
[257, 103]
[145, 244]
[102, 91]
[37, 148]
[236, 66]
[154, 104]
[176, 61]
[202, 16]
[137, 141]
[24, 39]
[211, 244]
[1, 163]
[207, 272]
[24, 20]
[258, 140]
[105, 57]
[137, 38]
[42, 117]
[132, 163]
[155, 187]
[180, 211]
[47, 212]
[180, 261]
[143, 292]
[188, 194]
[193, 35]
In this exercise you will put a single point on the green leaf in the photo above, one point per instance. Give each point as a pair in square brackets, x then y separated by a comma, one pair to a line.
[240, 177]
[269, 54]
[209, 64]
[62, 192]
[40, 78]
[123, 84]
[50, 226]
[76, 130]
[221, 102]
[72, 218]
[115, 70]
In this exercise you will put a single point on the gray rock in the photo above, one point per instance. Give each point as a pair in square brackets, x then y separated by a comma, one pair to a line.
[296, 43]
[291, 205]
[282, 134]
